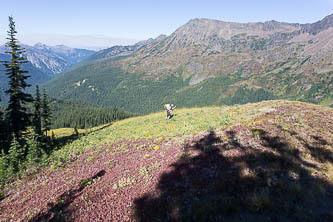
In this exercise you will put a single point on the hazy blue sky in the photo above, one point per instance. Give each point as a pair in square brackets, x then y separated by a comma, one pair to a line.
[137, 20]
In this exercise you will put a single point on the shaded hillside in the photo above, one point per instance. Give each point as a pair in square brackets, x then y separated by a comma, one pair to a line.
[264, 161]
[207, 62]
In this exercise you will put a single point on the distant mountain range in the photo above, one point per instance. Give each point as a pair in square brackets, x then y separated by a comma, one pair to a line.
[206, 62]
[53, 60]
[44, 62]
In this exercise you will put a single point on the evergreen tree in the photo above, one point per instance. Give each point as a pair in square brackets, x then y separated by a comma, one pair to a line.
[46, 113]
[16, 155]
[4, 162]
[4, 134]
[35, 144]
[2, 131]
[37, 119]
[16, 114]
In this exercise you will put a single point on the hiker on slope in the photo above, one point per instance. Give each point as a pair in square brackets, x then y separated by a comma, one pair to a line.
[168, 108]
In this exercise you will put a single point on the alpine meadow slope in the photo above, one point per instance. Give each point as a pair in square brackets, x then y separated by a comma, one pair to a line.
[266, 161]
[209, 62]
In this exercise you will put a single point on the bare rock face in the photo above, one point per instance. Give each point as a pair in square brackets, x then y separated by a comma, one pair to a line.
[212, 32]
[319, 26]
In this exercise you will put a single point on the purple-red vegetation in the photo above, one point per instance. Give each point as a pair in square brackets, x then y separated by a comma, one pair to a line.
[264, 168]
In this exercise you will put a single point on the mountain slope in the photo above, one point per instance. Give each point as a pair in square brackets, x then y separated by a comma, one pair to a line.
[207, 62]
[254, 162]
[120, 51]
[44, 62]
[110, 86]
[53, 60]
[205, 48]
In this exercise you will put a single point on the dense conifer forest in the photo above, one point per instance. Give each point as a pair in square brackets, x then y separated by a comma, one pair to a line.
[82, 115]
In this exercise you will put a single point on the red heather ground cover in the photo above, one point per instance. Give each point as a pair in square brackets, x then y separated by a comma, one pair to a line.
[101, 200]
[271, 170]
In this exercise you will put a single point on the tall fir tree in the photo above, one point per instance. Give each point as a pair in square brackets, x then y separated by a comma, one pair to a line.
[35, 144]
[37, 118]
[17, 116]
[35, 141]
[2, 131]
[46, 114]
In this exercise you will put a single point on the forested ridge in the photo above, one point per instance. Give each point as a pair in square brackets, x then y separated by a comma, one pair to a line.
[104, 85]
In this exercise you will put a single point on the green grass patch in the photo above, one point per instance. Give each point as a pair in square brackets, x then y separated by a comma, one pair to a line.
[154, 126]
[85, 182]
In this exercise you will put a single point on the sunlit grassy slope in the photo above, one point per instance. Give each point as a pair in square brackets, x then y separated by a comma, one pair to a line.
[184, 122]
[65, 132]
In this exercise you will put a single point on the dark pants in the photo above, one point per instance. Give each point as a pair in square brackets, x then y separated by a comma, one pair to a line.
[168, 114]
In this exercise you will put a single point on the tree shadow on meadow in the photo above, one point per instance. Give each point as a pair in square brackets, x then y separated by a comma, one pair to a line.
[59, 212]
[229, 181]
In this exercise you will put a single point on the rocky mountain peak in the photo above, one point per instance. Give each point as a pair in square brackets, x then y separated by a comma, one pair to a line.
[40, 45]
[214, 33]
[315, 28]
[270, 25]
